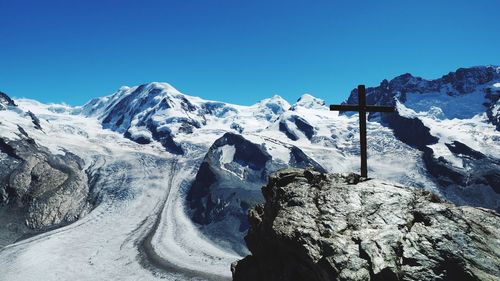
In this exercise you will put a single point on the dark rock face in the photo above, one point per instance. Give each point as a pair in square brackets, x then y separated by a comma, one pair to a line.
[316, 226]
[139, 140]
[39, 190]
[409, 130]
[493, 105]
[228, 183]
[5, 100]
[465, 80]
[35, 120]
[304, 126]
[300, 123]
[459, 185]
[166, 139]
[283, 127]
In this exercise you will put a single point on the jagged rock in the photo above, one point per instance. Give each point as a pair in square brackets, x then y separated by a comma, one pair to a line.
[493, 105]
[317, 226]
[5, 101]
[35, 120]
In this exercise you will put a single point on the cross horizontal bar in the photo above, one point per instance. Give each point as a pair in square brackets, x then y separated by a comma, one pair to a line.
[374, 108]
[368, 108]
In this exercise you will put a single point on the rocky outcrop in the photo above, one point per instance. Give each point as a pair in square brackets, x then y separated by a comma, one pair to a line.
[5, 101]
[39, 190]
[493, 105]
[35, 120]
[317, 226]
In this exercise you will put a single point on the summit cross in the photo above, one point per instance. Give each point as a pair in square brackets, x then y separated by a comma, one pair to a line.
[362, 108]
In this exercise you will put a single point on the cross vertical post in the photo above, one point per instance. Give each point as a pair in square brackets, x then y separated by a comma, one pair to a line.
[362, 109]
[362, 130]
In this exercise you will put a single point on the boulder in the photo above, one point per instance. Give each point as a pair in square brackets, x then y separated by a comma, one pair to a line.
[316, 226]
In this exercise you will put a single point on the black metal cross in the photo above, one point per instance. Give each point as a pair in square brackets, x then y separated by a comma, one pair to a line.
[362, 108]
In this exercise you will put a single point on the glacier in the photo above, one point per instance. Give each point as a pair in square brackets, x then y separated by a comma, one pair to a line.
[171, 176]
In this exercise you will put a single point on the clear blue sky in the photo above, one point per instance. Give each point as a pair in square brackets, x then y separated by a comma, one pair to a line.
[238, 51]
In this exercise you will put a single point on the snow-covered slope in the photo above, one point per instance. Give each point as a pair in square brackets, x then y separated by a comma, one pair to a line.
[171, 175]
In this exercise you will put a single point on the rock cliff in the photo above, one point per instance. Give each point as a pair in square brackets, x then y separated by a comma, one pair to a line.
[317, 226]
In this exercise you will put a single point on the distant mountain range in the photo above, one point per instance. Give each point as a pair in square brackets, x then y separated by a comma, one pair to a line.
[444, 137]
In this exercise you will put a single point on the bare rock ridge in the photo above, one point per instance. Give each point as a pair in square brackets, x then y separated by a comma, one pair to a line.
[38, 190]
[316, 226]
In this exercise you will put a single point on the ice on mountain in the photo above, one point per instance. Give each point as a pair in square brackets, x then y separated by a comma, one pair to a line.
[227, 154]
[405, 111]
[436, 113]
[461, 107]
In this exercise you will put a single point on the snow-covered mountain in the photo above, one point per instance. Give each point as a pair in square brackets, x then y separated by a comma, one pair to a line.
[171, 176]
[229, 179]
[158, 112]
[445, 119]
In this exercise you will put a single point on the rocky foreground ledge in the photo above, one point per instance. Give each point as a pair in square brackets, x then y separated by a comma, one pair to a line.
[317, 226]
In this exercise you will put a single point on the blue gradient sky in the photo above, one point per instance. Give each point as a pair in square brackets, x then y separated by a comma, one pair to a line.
[234, 50]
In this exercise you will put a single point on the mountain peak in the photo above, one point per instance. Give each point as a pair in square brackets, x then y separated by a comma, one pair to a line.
[162, 85]
[310, 102]
[272, 106]
[277, 99]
